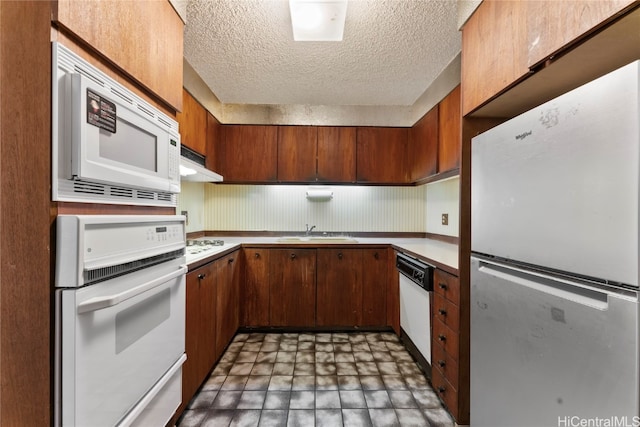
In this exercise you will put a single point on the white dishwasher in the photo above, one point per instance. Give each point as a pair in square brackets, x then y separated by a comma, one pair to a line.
[416, 284]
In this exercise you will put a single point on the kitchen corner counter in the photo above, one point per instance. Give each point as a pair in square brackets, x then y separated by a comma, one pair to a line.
[442, 254]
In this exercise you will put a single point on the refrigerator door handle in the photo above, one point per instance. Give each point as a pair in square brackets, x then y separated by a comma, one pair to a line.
[560, 287]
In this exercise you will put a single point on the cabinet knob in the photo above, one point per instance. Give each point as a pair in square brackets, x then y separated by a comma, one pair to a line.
[442, 285]
[257, 255]
[441, 363]
[339, 255]
[293, 256]
[442, 337]
[230, 260]
[201, 276]
[376, 256]
[441, 389]
[442, 312]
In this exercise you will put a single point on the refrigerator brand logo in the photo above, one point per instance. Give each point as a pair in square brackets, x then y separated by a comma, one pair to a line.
[524, 135]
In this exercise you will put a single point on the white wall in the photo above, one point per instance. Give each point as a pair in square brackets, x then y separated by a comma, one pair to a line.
[353, 208]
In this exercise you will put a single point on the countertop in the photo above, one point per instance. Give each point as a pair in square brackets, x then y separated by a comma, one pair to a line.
[444, 255]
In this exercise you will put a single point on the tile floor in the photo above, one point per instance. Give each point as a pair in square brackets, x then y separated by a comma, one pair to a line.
[321, 379]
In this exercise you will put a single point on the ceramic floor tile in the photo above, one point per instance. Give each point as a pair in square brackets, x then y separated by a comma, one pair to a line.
[328, 399]
[246, 418]
[351, 379]
[277, 400]
[273, 418]
[218, 418]
[301, 418]
[251, 399]
[328, 418]
[356, 418]
[411, 417]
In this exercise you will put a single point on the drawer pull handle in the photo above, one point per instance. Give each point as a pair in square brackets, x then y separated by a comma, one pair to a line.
[442, 337]
[442, 312]
[257, 255]
[442, 285]
[293, 256]
[441, 389]
[441, 363]
[201, 276]
[339, 255]
[376, 256]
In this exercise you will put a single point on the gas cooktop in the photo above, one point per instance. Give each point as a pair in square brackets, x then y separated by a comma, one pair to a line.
[198, 246]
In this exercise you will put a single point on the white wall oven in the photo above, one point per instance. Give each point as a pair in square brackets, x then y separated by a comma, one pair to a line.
[120, 319]
[108, 144]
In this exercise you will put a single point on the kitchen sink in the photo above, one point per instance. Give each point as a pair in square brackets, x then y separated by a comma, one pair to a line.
[317, 239]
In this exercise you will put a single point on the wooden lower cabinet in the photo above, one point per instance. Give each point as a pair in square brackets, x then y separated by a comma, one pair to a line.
[200, 330]
[375, 281]
[255, 288]
[227, 300]
[339, 282]
[292, 287]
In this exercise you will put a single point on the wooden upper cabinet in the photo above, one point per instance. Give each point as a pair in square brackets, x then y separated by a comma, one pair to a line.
[382, 155]
[142, 38]
[336, 154]
[248, 154]
[494, 46]
[423, 146]
[297, 153]
[553, 24]
[193, 124]
[450, 132]
[214, 140]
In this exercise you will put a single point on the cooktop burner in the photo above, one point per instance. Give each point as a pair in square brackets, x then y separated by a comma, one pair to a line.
[197, 246]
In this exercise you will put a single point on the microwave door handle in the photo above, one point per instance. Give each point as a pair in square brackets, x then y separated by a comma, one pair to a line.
[98, 303]
[562, 288]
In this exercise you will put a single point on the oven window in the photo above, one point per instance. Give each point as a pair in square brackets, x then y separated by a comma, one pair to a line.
[138, 320]
[130, 145]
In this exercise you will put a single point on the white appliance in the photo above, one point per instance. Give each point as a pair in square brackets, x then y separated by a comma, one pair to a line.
[416, 284]
[192, 167]
[108, 144]
[120, 319]
[554, 267]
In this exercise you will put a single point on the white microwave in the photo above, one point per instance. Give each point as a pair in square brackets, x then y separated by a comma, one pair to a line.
[109, 145]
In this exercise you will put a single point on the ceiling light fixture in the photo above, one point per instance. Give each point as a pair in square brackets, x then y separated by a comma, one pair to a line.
[318, 20]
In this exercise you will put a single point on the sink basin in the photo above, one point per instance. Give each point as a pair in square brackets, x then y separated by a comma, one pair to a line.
[316, 239]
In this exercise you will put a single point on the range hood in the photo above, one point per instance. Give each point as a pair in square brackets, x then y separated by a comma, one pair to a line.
[192, 168]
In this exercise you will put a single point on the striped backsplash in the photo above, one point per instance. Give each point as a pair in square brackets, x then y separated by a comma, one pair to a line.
[353, 208]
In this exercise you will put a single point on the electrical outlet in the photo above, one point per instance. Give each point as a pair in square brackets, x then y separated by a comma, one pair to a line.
[445, 219]
[186, 217]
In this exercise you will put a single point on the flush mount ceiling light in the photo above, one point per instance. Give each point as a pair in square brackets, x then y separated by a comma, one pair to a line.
[318, 20]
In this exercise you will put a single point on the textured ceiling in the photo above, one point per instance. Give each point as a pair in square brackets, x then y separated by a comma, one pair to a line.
[391, 53]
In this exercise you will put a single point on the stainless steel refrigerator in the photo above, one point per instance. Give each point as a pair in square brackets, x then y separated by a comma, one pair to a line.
[554, 266]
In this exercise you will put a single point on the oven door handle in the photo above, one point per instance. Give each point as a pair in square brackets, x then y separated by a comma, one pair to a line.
[106, 301]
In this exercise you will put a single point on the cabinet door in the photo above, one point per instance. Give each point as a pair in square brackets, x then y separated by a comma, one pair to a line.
[382, 155]
[193, 124]
[297, 153]
[450, 132]
[292, 287]
[336, 154]
[339, 285]
[552, 24]
[214, 142]
[249, 154]
[495, 50]
[145, 39]
[374, 286]
[255, 295]
[227, 301]
[423, 146]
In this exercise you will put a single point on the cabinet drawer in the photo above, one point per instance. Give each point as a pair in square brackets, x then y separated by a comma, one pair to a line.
[447, 312]
[446, 391]
[444, 363]
[448, 339]
[447, 285]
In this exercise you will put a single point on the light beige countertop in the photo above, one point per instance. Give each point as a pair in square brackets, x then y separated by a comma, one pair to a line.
[441, 253]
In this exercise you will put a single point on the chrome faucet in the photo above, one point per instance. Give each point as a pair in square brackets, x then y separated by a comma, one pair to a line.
[309, 229]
